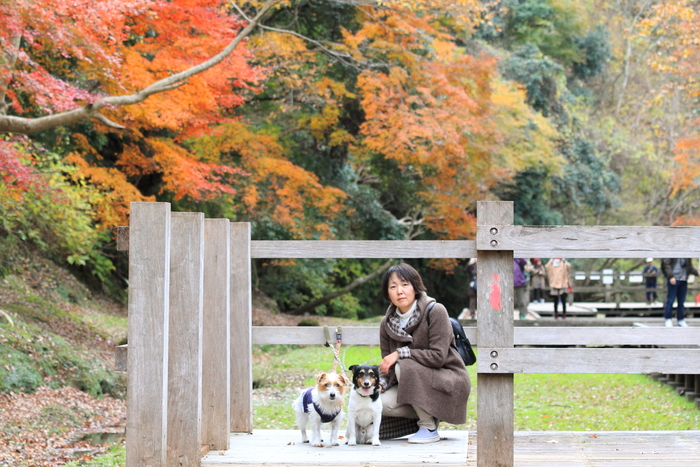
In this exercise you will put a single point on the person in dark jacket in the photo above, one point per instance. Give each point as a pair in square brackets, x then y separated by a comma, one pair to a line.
[676, 271]
[421, 374]
[650, 273]
[471, 288]
[520, 286]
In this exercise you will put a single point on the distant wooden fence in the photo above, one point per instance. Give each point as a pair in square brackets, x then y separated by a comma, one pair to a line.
[190, 334]
[620, 288]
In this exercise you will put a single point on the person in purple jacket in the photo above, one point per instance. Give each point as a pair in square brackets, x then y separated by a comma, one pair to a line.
[520, 288]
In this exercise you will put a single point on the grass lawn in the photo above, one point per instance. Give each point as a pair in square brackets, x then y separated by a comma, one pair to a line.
[555, 402]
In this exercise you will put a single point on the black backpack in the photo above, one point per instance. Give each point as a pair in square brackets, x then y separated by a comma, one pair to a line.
[461, 343]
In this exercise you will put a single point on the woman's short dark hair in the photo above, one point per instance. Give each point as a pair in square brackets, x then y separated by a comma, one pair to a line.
[405, 272]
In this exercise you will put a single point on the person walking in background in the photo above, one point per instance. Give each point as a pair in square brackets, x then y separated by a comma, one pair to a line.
[650, 272]
[676, 271]
[537, 280]
[471, 288]
[519, 284]
[558, 270]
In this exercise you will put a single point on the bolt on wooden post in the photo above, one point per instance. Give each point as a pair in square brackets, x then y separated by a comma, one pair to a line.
[494, 330]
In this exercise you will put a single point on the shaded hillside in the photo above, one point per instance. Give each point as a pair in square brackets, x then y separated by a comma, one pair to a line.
[57, 382]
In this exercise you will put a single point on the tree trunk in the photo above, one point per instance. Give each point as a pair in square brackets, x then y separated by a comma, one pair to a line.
[348, 288]
[8, 61]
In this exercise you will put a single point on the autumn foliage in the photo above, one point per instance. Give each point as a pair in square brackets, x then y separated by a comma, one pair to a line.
[372, 120]
[671, 28]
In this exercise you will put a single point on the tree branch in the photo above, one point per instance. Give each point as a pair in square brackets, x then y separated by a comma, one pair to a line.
[341, 56]
[348, 288]
[12, 124]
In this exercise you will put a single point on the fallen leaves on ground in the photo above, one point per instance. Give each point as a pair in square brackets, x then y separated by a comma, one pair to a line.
[45, 428]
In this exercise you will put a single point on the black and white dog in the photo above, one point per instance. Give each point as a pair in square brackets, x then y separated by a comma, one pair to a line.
[364, 407]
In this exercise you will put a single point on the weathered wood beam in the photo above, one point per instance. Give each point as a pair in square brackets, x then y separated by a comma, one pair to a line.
[590, 360]
[185, 339]
[495, 404]
[149, 294]
[363, 249]
[216, 349]
[347, 248]
[571, 241]
[241, 329]
[526, 242]
[123, 238]
[537, 335]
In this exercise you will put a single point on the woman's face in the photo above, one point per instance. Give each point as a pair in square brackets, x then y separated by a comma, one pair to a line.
[401, 293]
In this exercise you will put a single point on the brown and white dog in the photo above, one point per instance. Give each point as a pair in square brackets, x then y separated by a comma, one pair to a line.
[364, 407]
[321, 404]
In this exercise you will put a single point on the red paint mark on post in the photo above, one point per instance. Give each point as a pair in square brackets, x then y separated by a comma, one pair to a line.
[495, 294]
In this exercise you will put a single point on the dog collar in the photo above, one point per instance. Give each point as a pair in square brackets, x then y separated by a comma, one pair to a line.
[374, 395]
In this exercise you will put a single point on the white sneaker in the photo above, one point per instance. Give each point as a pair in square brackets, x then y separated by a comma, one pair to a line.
[423, 436]
[669, 323]
[682, 323]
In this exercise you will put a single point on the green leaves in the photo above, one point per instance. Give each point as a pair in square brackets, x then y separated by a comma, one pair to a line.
[55, 216]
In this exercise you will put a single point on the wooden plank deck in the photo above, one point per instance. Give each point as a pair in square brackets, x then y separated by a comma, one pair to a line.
[532, 449]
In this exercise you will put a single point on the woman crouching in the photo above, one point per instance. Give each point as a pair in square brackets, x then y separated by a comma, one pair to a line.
[422, 376]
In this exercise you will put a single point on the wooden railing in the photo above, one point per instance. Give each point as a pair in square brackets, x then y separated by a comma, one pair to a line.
[190, 334]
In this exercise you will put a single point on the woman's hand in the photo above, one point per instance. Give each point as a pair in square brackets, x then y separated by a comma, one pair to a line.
[388, 362]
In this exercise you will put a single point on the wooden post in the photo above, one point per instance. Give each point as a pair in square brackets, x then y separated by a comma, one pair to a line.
[241, 330]
[693, 387]
[185, 342]
[678, 382]
[149, 292]
[495, 329]
[216, 351]
[696, 393]
[689, 386]
[570, 297]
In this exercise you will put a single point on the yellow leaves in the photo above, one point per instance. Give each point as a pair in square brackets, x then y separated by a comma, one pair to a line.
[286, 55]
[251, 197]
[525, 137]
[320, 123]
[331, 90]
[292, 191]
[466, 14]
[340, 138]
[670, 29]
[444, 50]
[116, 192]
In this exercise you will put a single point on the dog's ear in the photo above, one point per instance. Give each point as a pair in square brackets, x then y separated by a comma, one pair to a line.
[352, 368]
[320, 376]
[345, 379]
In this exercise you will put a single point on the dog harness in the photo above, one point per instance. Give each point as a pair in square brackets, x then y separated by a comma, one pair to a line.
[308, 400]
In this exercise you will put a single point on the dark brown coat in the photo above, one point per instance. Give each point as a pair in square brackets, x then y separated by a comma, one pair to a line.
[434, 378]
